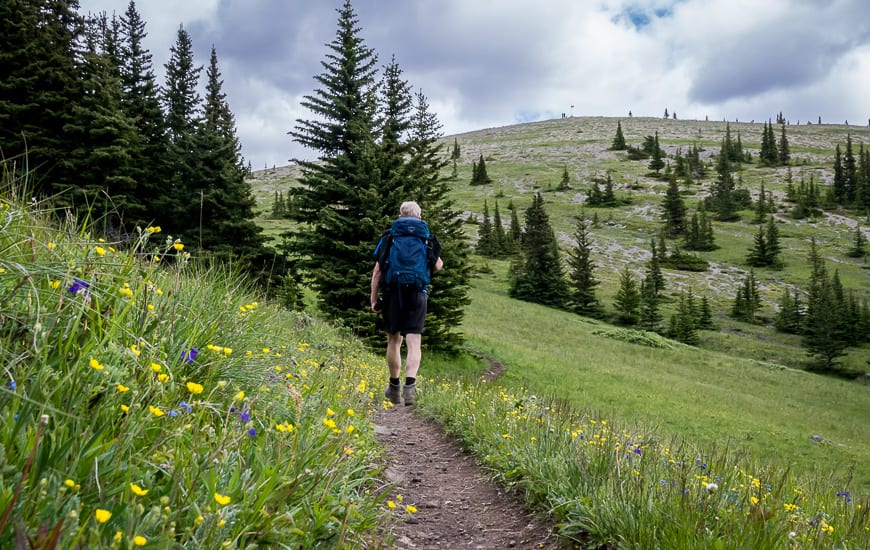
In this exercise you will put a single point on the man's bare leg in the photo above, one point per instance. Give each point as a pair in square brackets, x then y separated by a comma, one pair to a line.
[412, 361]
[394, 354]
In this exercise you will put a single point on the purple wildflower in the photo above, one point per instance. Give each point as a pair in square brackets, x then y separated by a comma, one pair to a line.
[12, 385]
[252, 432]
[244, 416]
[189, 355]
[185, 406]
[78, 285]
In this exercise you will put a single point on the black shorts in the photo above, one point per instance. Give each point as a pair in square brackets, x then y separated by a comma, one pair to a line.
[405, 310]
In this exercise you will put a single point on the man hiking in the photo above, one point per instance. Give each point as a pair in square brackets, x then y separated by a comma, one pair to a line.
[407, 255]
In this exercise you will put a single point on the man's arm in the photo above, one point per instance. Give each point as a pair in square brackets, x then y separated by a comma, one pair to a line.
[376, 280]
[439, 264]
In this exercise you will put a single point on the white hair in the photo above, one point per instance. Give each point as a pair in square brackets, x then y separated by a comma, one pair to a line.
[410, 209]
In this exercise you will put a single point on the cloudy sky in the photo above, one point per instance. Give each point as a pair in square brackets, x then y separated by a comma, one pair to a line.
[486, 63]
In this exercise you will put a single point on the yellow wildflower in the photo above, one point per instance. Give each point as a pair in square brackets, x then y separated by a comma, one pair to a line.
[100, 250]
[122, 388]
[223, 500]
[125, 408]
[178, 246]
[118, 536]
[54, 284]
[51, 246]
[162, 377]
[156, 367]
[411, 509]
[194, 388]
[139, 540]
[155, 411]
[222, 522]
[95, 364]
[102, 516]
[70, 483]
[240, 396]
[139, 491]
[391, 505]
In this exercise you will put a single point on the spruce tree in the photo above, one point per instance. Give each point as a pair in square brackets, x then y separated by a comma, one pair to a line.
[485, 239]
[721, 199]
[657, 162]
[499, 238]
[686, 322]
[395, 105]
[628, 298]
[758, 255]
[784, 149]
[537, 275]
[654, 278]
[180, 202]
[859, 244]
[705, 315]
[650, 318]
[565, 181]
[448, 294]
[141, 103]
[40, 90]
[674, 209]
[789, 316]
[849, 173]
[747, 302]
[228, 230]
[581, 276]
[839, 183]
[338, 210]
[618, 140]
[516, 230]
[480, 176]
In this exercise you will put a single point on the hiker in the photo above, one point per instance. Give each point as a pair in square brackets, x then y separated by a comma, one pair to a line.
[407, 255]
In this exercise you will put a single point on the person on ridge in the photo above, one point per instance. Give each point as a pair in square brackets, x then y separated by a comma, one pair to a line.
[406, 256]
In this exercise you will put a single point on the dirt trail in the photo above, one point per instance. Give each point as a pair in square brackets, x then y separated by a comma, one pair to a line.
[458, 506]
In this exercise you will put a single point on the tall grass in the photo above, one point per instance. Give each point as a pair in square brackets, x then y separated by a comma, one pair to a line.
[607, 482]
[148, 402]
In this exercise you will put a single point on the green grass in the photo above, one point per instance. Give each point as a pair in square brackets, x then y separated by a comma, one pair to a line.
[113, 435]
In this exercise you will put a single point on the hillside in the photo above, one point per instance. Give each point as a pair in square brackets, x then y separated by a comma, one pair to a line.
[523, 159]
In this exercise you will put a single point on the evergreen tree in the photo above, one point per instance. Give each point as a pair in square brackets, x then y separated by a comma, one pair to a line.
[618, 140]
[650, 318]
[516, 232]
[761, 205]
[789, 317]
[721, 199]
[338, 208]
[537, 276]
[40, 89]
[395, 102]
[628, 298]
[179, 203]
[141, 103]
[859, 245]
[609, 197]
[674, 209]
[705, 315]
[581, 277]
[455, 154]
[479, 176]
[499, 237]
[748, 300]
[686, 322]
[565, 181]
[850, 173]
[657, 162]
[485, 239]
[654, 278]
[448, 294]
[839, 182]
[758, 254]
[784, 149]
[227, 228]
[100, 135]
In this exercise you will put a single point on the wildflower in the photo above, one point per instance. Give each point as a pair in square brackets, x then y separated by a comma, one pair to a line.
[178, 246]
[329, 423]
[155, 411]
[118, 536]
[162, 377]
[122, 388]
[223, 500]
[137, 490]
[94, 364]
[754, 500]
[189, 355]
[350, 429]
[199, 520]
[153, 229]
[125, 291]
[789, 507]
[827, 528]
[411, 509]
[252, 432]
[194, 388]
[222, 522]
[348, 451]
[54, 284]
[135, 349]
[51, 246]
[102, 516]
[391, 505]
[847, 498]
[69, 483]
[156, 367]
[185, 406]
[125, 408]
[150, 307]
[12, 385]
[239, 396]
[139, 540]
[228, 351]
[100, 251]
[330, 412]
[711, 487]
[245, 416]
[156, 258]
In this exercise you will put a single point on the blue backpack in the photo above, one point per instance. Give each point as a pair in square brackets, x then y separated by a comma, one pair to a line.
[403, 254]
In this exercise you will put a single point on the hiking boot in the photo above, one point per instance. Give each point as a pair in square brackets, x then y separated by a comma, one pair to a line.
[409, 392]
[392, 393]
